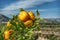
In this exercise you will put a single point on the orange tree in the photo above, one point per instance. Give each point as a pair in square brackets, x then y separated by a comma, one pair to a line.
[21, 26]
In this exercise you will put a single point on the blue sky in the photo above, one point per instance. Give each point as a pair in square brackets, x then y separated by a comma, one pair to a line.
[47, 8]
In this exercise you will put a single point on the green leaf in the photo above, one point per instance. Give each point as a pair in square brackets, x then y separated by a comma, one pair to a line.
[21, 9]
[37, 13]
[1, 37]
[21, 24]
[21, 38]
[14, 24]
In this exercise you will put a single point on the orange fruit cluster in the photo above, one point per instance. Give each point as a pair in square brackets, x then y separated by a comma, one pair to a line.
[26, 17]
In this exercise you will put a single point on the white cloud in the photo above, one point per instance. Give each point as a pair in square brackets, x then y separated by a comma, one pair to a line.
[7, 10]
[25, 4]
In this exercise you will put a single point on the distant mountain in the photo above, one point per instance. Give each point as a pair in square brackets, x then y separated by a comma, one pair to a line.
[50, 20]
[3, 18]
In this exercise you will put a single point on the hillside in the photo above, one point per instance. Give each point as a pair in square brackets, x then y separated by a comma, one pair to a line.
[3, 18]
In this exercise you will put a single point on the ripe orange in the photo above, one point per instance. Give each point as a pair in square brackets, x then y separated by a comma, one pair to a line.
[31, 14]
[28, 23]
[7, 33]
[8, 24]
[23, 16]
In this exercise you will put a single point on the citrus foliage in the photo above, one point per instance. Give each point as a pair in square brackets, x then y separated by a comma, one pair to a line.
[21, 26]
